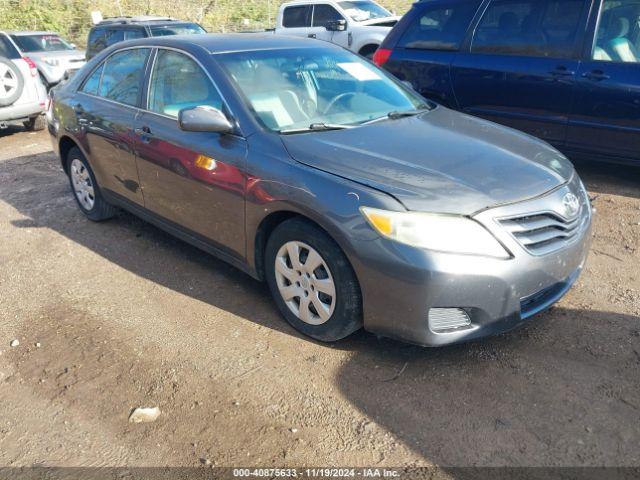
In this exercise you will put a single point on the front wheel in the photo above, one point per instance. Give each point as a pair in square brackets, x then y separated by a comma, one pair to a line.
[312, 281]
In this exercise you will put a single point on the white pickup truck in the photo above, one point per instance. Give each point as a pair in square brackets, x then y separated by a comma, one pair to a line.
[359, 25]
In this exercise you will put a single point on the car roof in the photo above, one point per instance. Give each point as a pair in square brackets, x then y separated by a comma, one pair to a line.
[232, 42]
[21, 33]
[297, 3]
[140, 20]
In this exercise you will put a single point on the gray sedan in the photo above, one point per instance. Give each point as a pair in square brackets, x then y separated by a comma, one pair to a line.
[359, 202]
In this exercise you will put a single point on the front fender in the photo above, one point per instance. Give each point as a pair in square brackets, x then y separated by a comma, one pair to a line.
[278, 184]
[362, 38]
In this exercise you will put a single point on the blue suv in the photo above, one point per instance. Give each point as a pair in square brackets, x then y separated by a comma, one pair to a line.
[567, 71]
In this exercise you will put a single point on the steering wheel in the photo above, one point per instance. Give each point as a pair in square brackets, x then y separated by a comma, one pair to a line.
[334, 101]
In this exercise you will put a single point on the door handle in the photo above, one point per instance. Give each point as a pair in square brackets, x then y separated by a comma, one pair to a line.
[562, 72]
[144, 133]
[596, 75]
[312, 35]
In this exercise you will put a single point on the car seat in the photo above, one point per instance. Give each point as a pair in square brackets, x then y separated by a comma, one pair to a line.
[619, 47]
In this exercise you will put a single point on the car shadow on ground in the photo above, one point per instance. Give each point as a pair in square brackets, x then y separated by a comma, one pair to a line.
[11, 130]
[610, 178]
[563, 390]
[38, 189]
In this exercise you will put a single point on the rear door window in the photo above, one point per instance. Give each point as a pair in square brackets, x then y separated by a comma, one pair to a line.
[297, 17]
[535, 28]
[97, 40]
[114, 36]
[132, 33]
[91, 85]
[123, 75]
[439, 27]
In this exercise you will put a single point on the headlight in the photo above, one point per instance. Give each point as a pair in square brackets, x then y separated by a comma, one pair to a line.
[445, 233]
[54, 62]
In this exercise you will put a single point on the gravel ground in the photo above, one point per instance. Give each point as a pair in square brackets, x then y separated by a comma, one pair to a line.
[120, 315]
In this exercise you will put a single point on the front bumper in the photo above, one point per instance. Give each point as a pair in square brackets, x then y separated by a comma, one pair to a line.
[400, 284]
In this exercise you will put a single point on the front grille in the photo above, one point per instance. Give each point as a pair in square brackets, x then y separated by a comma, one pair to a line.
[546, 232]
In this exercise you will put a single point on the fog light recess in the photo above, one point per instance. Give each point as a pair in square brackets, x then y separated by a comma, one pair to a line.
[447, 319]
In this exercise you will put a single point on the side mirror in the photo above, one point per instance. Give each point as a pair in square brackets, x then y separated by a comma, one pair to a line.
[337, 25]
[204, 119]
[73, 45]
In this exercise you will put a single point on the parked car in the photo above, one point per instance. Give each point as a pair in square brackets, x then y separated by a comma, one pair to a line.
[303, 164]
[22, 95]
[54, 57]
[566, 71]
[117, 29]
[359, 25]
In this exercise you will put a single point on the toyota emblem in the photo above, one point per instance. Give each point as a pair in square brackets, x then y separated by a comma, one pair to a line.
[571, 204]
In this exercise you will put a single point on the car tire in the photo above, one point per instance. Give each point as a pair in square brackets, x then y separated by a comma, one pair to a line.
[36, 124]
[85, 189]
[303, 293]
[12, 76]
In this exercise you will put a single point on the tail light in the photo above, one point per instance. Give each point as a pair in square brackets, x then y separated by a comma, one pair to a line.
[381, 56]
[32, 66]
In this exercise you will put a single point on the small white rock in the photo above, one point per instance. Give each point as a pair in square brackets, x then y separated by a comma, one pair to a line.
[144, 415]
[293, 430]
[14, 343]
[38, 345]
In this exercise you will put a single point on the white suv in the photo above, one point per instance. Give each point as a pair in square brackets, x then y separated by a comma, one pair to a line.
[359, 25]
[22, 94]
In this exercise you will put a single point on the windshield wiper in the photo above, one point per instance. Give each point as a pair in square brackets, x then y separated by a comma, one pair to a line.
[316, 127]
[394, 115]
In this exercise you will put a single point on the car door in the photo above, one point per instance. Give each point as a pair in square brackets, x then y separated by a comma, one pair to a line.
[105, 108]
[193, 179]
[520, 65]
[325, 15]
[605, 121]
[296, 20]
[432, 34]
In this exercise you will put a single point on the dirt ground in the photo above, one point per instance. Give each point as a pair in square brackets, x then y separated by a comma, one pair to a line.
[117, 315]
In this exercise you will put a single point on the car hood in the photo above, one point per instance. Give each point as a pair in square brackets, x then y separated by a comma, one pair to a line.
[63, 55]
[440, 161]
[386, 21]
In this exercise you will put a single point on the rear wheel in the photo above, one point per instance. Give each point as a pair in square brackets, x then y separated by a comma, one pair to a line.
[35, 124]
[367, 51]
[312, 281]
[85, 188]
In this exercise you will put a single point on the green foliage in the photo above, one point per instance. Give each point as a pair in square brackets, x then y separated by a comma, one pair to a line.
[72, 18]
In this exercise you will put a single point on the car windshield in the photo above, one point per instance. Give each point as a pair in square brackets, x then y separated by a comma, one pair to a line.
[361, 10]
[181, 29]
[41, 43]
[291, 89]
